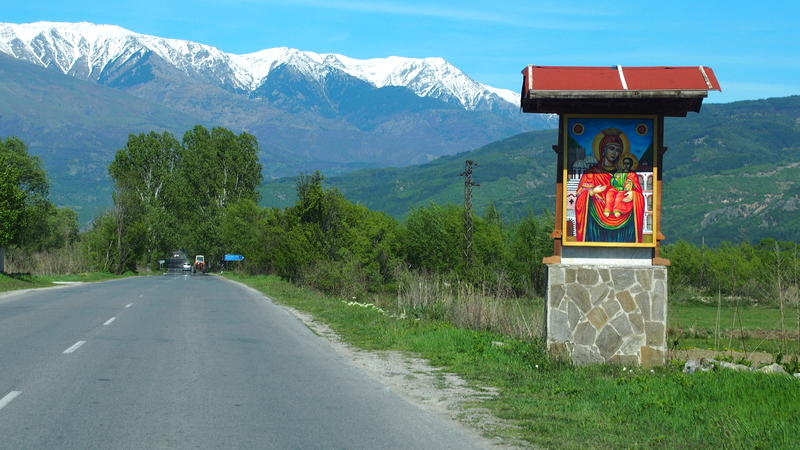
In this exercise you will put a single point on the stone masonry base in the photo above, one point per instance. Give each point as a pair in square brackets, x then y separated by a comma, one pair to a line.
[610, 314]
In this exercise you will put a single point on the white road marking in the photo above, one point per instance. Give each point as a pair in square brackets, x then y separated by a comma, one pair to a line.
[7, 399]
[108, 322]
[74, 347]
[129, 305]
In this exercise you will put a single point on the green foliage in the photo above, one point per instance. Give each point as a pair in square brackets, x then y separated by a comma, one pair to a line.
[172, 195]
[12, 202]
[743, 270]
[27, 219]
[530, 242]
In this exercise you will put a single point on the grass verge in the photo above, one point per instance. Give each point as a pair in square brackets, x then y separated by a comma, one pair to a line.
[11, 282]
[554, 404]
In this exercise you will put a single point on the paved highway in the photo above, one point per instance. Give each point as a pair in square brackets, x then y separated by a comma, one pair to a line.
[188, 362]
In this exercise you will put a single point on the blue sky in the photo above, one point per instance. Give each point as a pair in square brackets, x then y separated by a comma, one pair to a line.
[754, 47]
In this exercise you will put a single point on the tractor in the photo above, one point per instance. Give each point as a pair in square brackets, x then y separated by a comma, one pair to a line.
[200, 264]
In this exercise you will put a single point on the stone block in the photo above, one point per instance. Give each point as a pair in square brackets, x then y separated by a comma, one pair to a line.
[574, 314]
[611, 307]
[605, 275]
[571, 275]
[623, 325]
[598, 294]
[608, 342]
[655, 333]
[625, 360]
[659, 273]
[588, 277]
[583, 355]
[597, 317]
[650, 357]
[558, 326]
[584, 334]
[645, 278]
[632, 344]
[623, 278]
[658, 306]
[555, 275]
[637, 322]
[626, 301]
[579, 295]
[556, 295]
[643, 302]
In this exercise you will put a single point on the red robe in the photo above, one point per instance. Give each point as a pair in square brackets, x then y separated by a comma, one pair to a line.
[598, 177]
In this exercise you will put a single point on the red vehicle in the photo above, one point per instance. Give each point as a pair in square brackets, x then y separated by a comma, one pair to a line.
[200, 264]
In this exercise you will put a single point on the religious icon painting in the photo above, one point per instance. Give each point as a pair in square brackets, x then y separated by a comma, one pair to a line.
[609, 181]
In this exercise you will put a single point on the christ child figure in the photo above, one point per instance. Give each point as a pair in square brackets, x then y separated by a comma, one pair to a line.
[620, 185]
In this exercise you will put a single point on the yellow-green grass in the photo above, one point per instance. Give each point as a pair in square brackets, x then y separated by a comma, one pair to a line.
[556, 405]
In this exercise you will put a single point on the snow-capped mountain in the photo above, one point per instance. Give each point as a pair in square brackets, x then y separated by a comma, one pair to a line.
[89, 51]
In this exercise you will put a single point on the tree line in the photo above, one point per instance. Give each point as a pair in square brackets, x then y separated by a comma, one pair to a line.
[199, 194]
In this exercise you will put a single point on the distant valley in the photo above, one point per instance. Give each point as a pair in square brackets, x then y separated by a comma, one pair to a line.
[732, 172]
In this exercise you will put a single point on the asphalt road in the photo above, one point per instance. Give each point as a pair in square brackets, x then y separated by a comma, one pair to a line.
[188, 362]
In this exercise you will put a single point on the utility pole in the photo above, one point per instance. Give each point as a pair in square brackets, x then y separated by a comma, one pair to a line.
[468, 184]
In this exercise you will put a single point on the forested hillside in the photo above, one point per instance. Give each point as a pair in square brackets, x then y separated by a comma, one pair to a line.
[731, 173]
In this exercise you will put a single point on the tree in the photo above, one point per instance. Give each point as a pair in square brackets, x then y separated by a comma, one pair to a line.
[217, 168]
[12, 202]
[23, 195]
[145, 173]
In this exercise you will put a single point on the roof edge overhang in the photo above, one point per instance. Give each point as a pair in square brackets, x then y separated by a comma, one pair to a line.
[667, 91]
[613, 94]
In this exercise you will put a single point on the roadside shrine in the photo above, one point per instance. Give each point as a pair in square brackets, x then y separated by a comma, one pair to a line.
[607, 283]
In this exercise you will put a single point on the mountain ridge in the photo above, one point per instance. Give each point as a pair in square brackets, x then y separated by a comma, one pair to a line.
[85, 50]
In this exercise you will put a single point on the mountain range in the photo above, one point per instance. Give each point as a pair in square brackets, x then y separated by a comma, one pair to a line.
[74, 91]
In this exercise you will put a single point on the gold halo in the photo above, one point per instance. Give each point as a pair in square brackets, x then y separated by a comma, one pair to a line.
[628, 155]
[626, 145]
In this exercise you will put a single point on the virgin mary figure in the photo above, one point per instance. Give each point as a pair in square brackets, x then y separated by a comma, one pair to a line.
[602, 215]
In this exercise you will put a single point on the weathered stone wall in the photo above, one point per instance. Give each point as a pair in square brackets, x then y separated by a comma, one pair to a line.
[601, 314]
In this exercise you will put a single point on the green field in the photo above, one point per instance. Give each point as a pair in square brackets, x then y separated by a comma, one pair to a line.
[748, 328]
[552, 404]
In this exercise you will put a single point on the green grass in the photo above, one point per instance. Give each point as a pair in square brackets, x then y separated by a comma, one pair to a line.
[10, 282]
[554, 404]
[15, 282]
[752, 317]
[695, 325]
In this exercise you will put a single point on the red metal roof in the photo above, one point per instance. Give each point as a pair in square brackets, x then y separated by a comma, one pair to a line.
[618, 78]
